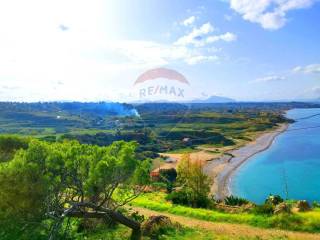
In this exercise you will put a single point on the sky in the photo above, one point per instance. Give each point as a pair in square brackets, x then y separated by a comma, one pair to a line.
[249, 50]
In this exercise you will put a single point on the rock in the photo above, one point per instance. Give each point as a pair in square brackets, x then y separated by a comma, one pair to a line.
[282, 208]
[303, 206]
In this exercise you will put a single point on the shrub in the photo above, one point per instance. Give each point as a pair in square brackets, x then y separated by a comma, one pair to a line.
[274, 199]
[137, 217]
[316, 204]
[235, 201]
[187, 199]
[180, 197]
[157, 226]
[303, 206]
[265, 209]
[202, 202]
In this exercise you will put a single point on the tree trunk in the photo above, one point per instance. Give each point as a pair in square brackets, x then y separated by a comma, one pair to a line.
[116, 216]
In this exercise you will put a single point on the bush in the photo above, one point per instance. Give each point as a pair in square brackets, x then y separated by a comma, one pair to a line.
[180, 197]
[187, 199]
[265, 209]
[157, 226]
[274, 200]
[235, 201]
[316, 204]
[137, 217]
[9, 145]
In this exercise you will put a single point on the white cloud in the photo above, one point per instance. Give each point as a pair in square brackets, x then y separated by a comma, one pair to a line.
[270, 14]
[200, 59]
[312, 68]
[189, 21]
[200, 37]
[227, 37]
[272, 78]
[148, 53]
[196, 35]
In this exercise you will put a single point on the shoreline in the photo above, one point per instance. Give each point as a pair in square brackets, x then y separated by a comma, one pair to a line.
[222, 169]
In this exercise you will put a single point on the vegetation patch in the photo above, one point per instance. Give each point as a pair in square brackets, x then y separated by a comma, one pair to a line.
[308, 221]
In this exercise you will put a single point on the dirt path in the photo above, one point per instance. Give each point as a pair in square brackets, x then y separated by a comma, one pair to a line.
[234, 231]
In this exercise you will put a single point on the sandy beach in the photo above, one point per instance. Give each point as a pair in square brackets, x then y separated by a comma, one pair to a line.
[221, 166]
[222, 169]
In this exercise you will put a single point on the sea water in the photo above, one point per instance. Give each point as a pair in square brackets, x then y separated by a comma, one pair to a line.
[289, 168]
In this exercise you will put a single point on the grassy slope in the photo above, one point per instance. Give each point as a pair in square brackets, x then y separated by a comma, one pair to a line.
[123, 233]
[217, 230]
[309, 221]
[185, 233]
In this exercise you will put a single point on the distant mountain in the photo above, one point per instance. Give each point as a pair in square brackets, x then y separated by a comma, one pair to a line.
[213, 99]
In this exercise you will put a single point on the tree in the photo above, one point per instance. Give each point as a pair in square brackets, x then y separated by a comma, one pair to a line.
[194, 182]
[54, 182]
[9, 144]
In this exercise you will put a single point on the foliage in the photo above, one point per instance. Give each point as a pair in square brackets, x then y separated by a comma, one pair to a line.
[47, 183]
[264, 209]
[308, 221]
[168, 175]
[137, 217]
[274, 199]
[169, 233]
[194, 183]
[9, 144]
[316, 204]
[235, 201]
[179, 197]
[156, 226]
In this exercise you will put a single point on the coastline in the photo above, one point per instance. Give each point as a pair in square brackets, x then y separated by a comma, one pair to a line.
[222, 169]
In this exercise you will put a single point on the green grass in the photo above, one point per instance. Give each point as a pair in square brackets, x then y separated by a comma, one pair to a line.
[118, 233]
[123, 233]
[308, 222]
[184, 150]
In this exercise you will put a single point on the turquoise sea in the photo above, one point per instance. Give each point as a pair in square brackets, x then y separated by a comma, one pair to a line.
[290, 167]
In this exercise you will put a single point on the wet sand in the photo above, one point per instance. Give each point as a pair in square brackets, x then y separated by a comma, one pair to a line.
[222, 169]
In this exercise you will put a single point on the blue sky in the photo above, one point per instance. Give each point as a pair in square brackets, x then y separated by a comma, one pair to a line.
[95, 50]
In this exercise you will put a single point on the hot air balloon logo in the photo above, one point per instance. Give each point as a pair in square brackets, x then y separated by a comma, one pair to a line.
[162, 82]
